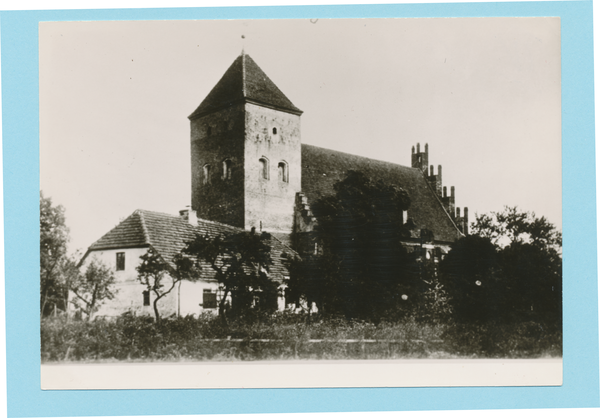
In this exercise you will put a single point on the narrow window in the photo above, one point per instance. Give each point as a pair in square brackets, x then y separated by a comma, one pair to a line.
[208, 131]
[146, 295]
[209, 299]
[120, 261]
[227, 169]
[206, 172]
[264, 168]
[274, 131]
[282, 172]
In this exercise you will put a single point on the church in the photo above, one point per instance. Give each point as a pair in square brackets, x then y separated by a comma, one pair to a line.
[251, 170]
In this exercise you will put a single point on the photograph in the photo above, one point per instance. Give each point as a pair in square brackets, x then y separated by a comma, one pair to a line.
[249, 196]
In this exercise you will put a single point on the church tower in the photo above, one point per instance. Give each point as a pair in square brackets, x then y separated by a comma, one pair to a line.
[245, 151]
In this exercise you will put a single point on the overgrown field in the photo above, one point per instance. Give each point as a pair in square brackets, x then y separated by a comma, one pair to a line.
[285, 337]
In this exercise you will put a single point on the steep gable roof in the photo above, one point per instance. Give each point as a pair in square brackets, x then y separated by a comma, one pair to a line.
[322, 168]
[244, 81]
[168, 234]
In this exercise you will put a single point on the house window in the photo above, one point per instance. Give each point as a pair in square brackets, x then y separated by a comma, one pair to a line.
[227, 169]
[120, 261]
[146, 295]
[282, 172]
[209, 299]
[264, 168]
[206, 173]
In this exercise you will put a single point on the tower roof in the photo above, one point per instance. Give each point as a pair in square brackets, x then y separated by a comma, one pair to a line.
[244, 81]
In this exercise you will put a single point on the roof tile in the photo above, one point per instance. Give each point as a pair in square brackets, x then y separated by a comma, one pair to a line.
[243, 81]
[168, 234]
[322, 168]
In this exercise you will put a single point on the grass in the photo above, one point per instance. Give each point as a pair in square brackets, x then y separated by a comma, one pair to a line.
[288, 336]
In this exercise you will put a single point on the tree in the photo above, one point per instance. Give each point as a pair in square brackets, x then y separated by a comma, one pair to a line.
[362, 269]
[54, 236]
[93, 287]
[517, 256]
[471, 274]
[160, 277]
[241, 263]
[514, 226]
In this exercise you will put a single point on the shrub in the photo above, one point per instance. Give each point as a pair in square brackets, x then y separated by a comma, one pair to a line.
[131, 337]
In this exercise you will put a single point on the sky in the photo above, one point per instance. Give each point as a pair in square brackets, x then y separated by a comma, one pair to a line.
[484, 93]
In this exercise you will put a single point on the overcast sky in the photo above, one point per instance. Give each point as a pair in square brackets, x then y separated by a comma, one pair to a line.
[483, 92]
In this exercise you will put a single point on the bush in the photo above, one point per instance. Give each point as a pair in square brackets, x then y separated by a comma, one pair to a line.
[140, 338]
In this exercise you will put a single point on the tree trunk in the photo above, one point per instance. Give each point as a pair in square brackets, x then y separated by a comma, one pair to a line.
[155, 305]
[222, 305]
[44, 303]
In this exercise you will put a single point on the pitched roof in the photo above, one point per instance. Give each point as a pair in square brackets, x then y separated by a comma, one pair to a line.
[168, 234]
[244, 81]
[322, 168]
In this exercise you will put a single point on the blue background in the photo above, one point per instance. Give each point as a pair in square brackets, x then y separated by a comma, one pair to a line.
[20, 100]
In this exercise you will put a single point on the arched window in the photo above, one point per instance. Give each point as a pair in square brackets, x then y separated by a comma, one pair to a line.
[227, 169]
[274, 131]
[206, 173]
[282, 172]
[264, 168]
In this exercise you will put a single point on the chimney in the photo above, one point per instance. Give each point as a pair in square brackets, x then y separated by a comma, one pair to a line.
[193, 218]
[189, 215]
[184, 214]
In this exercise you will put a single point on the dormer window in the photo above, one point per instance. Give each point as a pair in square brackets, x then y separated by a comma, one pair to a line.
[282, 172]
[227, 169]
[206, 174]
[264, 168]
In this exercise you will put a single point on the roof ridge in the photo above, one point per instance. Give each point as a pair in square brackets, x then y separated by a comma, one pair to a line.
[157, 213]
[219, 223]
[283, 243]
[176, 217]
[359, 156]
[140, 212]
[243, 73]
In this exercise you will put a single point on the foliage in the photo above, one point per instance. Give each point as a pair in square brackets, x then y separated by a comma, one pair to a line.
[54, 236]
[434, 303]
[241, 263]
[514, 226]
[93, 287]
[286, 336]
[362, 270]
[471, 275]
[161, 278]
[509, 271]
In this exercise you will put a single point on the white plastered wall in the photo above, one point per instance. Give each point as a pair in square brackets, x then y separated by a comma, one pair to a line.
[185, 299]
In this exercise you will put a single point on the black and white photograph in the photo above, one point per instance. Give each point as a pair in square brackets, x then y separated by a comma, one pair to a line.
[329, 195]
